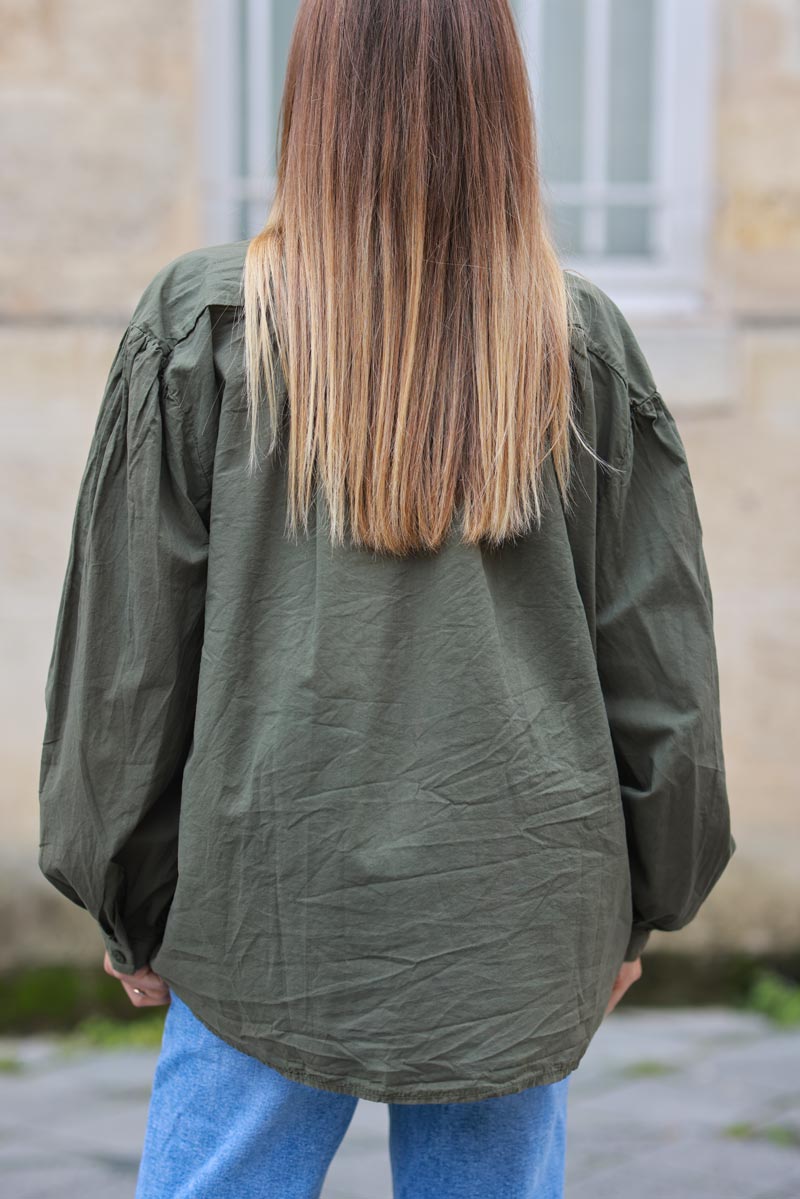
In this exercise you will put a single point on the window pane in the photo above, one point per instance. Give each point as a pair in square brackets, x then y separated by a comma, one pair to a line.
[261, 70]
[566, 221]
[629, 228]
[561, 120]
[243, 114]
[631, 91]
[284, 13]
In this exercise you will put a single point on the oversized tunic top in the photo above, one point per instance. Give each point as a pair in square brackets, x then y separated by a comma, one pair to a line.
[388, 825]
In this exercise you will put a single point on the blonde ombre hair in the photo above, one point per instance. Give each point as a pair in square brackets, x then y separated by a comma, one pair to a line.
[406, 281]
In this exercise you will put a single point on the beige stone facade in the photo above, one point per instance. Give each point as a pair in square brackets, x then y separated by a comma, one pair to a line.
[102, 184]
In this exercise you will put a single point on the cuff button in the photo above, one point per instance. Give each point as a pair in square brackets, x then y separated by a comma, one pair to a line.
[117, 955]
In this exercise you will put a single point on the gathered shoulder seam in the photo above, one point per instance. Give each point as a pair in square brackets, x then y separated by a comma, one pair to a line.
[653, 394]
[166, 348]
[593, 349]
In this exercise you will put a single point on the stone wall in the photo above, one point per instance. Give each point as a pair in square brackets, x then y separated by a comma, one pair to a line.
[98, 139]
[757, 235]
[745, 464]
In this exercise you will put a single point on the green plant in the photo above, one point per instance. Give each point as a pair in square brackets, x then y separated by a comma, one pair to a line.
[782, 1134]
[776, 997]
[648, 1068]
[101, 1032]
[43, 999]
[777, 1134]
[742, 1130]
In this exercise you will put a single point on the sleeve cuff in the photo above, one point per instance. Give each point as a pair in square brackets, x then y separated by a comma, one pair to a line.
[636, 943]
[122, 958]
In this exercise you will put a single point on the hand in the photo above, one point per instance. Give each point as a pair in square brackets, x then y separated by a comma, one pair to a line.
[629, 973]
[154, 991]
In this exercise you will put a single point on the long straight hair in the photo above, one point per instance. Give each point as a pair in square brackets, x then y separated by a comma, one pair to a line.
[406, 282]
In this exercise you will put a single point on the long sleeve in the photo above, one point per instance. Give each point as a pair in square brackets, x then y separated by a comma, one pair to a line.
[122, 680]
[658, 669]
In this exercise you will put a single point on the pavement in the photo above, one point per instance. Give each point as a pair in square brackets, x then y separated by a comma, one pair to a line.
[673, 1104]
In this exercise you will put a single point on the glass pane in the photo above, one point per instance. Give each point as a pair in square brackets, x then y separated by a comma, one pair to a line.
[562, 89]
[243, 218]
[284, 13]
[631, 91]
[629, 229]
[279, 19]
[566, 223]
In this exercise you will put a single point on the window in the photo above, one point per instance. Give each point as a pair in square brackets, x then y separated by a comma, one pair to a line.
[623, 94]
[243, 50]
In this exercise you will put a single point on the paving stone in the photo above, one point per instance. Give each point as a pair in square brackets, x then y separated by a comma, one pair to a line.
[361, 1167]
[365, 1174]
[704, 1168]
[61, 1180]
[74, 1124]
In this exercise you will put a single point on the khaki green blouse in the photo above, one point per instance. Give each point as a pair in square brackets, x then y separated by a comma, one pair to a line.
[389, 826]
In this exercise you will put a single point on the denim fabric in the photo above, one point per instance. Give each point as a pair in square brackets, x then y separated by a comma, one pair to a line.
[223, 1125]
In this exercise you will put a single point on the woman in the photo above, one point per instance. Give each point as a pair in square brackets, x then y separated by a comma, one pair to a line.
[382, 715]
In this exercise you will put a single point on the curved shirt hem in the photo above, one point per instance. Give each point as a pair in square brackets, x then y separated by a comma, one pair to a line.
[362, 1089]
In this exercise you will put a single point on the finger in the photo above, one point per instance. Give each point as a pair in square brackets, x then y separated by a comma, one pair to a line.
[142, 1001]
[627, 981]
[614, 998]
[146, 978]
[143, 977]
[631, 974]
[145, 996]
[147, 981]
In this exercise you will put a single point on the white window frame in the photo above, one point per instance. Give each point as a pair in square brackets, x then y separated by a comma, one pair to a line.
[234, 151]
[674, 280]
[684, 106]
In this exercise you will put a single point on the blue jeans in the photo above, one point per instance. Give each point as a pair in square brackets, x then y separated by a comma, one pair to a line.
[222, 1125]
